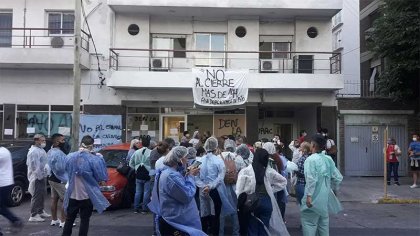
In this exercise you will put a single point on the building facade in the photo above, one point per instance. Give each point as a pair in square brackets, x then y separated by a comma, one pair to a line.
[138, 59]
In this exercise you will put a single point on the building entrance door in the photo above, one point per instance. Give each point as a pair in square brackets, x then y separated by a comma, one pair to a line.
[173, 126]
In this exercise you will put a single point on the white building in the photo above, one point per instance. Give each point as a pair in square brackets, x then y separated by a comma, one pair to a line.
[346, 41]
[291, 87]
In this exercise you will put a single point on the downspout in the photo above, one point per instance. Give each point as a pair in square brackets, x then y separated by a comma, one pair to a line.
[24, 23]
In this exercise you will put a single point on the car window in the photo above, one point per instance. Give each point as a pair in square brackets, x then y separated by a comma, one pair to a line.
[18, 152]
[113, 157]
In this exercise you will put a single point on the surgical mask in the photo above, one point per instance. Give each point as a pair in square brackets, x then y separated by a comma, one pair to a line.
[325, 134]
[414, 139]
[62, 145]
[389, 142]
[43, 145]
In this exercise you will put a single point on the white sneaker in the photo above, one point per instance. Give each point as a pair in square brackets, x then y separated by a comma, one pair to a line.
[36, 218]
[55, 222]
[417, 163]
[45, 215]
[63, 223]
[413, 186]
[412, 162]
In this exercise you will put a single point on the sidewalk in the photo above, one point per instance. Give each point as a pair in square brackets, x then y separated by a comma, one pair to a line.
[371, 189]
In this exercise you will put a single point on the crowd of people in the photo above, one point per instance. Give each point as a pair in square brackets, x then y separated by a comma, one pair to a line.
[195, 188]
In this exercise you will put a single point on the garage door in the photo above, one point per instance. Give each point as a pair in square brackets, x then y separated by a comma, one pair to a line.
[364, 149]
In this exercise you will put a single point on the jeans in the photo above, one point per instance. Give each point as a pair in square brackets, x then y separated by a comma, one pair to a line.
[37, 200]
[85, 208]
[263, 212]
[4, 194]
[281, 201]
[392, 167]
[300, 191]
[143, 189]
[215, 221]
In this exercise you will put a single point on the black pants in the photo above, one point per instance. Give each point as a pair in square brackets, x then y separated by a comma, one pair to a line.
[4, 194]
[85, 208]
[215, 221]
[166, 229]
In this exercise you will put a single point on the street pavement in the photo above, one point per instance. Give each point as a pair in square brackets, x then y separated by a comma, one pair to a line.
[361, 215]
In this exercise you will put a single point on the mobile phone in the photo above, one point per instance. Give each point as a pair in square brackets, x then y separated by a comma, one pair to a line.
[195, 164]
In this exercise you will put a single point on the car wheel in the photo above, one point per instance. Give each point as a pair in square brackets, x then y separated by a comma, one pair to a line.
[17, 192]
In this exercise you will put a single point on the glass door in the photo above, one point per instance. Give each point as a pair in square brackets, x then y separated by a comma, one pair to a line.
[173, 126]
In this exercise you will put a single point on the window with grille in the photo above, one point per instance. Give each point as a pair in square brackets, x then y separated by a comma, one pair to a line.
[61, 22]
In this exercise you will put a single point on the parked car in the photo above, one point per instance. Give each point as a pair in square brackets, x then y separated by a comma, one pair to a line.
[20, 173]
[119, 189]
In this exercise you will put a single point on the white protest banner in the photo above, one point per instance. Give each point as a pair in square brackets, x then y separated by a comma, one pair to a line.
[217, 87]
[105, 129]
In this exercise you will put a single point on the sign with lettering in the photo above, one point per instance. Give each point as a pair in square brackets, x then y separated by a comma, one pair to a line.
[217, 87]
[105, 129]
[229, 125]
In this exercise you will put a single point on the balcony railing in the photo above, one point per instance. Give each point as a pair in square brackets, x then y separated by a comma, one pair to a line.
[364, 88]
[41, 38]
[253, 61]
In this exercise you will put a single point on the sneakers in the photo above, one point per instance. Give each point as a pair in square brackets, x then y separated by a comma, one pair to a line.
[412, 162]
[397, 183]
[63, 223]
[417, 163]
[45, 215]
[55, 222]
[136, 211]
[36, 218]
[413, 186]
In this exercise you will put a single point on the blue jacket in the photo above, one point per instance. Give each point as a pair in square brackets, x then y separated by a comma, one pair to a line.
[92, 169]
[173, 200]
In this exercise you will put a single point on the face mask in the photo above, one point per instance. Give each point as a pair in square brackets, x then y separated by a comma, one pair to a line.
[389, 142]
[62, 145]
[325, 135]
[43, 145]
[414, 139]
[187, 135]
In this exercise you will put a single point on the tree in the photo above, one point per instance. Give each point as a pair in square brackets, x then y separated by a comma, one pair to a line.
[396, 38]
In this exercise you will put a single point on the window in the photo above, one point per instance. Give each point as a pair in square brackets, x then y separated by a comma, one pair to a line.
[175, 42]
[133, 29]
[6, 34]
[141, 125]
[179, 44]
[61, 22]
[337, 19]
[33, 119]
[279, 49]
[210, 42]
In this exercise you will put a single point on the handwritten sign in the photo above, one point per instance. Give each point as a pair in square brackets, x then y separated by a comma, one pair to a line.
[217, 87]
[229, 125]
[105, 129]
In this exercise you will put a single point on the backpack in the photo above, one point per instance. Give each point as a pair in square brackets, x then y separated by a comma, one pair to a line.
[142, 173]
[332, 150]
[231, 175]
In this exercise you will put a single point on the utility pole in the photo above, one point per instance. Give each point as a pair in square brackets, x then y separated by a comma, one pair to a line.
[76, 76]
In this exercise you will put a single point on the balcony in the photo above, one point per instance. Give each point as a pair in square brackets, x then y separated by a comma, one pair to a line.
[159, 68]
[355, 89]
[41, 48]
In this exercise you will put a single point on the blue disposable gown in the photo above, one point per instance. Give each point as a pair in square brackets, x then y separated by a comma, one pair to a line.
[57, 163]
[321, 177]
[176, 203]
[92, 169]
[212, 174]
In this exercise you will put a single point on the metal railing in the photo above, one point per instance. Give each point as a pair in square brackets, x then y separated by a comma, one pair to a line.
[41, 38]
[363, 88]
[254, 61]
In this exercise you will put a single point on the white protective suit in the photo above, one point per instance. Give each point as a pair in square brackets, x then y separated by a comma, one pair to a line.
[38, 168]
[274, 182]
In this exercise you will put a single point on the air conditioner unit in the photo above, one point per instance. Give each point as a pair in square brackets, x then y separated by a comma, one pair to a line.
[269, 65]
[159, 64]
[57, 42]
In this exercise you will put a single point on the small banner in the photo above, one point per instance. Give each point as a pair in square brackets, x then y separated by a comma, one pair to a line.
[216, 87]
[105, 129]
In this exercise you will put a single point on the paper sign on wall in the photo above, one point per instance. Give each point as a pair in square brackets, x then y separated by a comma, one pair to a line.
[97, 141]
[8, 131]
[64, 131]
[30, 130]
[173, 131]
[144, 127]
[135, 133]
[151, 133]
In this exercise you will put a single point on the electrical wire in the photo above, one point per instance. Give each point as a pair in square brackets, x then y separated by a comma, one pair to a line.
[101, 75]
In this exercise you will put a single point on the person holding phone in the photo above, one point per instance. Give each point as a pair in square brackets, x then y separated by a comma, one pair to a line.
[173, 196]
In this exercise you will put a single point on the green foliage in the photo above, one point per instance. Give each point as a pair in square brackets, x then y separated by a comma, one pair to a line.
[396, 38]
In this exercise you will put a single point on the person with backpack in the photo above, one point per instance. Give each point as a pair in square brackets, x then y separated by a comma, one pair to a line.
[214, 201]
[140, 161]
[233, 164]
[330, 147]
[262, 182]
[244, 152]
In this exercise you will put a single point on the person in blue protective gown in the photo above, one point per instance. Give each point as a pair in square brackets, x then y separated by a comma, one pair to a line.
[173, 196]
[214, 199]
[86, 170]
[322, 177]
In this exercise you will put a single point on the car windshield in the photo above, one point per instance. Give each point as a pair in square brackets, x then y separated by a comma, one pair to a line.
[18, 152]
[113, 157]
